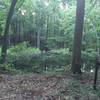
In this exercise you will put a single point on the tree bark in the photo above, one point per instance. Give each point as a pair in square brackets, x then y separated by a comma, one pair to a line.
[6, 32]
[38, 38]
[76, 58]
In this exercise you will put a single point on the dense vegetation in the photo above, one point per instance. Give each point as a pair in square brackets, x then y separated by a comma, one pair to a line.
[49, 44]
[41, 34]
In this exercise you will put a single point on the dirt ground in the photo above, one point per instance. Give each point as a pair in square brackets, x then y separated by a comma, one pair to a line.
[47, 87]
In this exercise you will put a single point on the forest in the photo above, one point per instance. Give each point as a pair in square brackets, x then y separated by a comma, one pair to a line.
[49, 49]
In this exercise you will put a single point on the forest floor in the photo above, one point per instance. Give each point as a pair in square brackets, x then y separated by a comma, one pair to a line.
[48, 87]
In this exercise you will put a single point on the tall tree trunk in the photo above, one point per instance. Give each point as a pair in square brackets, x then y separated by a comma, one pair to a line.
[76, 59]
[47, 32]
[38, 38]
[6, 32]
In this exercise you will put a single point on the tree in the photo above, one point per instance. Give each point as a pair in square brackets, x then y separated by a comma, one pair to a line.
[76, 59]
[6, 31]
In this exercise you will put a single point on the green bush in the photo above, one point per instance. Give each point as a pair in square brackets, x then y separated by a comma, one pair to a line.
[7, 68]
[26, 58]
[56, 58]
[23, 57]
[88, 59]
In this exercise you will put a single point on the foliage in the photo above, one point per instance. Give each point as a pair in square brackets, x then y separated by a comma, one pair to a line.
[8, 69]
[26, 58]
[55, 22]
[58, 58]
[23, 57]
[20, 56]
[89, 59]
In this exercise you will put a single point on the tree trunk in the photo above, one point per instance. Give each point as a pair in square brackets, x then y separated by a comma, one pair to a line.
[38, 38]
[76, 58]
[6, 32]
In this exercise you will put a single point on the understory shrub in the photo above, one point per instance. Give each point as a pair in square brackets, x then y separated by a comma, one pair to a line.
[22, 57]
[31, 59]
[8, 69]
[88, 59]
[57, 58]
